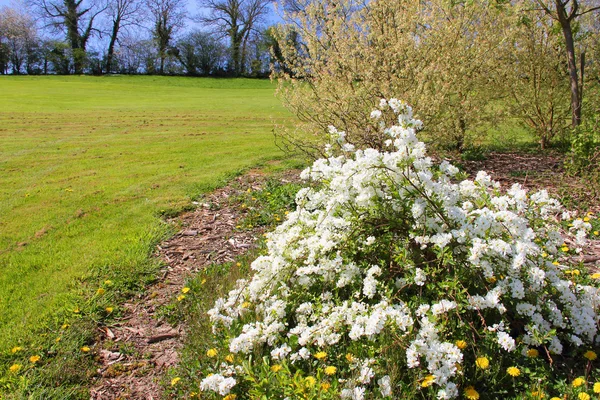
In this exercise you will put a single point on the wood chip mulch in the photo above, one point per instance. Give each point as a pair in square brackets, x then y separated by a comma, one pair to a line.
[208, 235]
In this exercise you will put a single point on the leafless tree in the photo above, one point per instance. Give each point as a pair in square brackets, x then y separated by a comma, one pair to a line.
[236, 19]
[122, 13]
[76, 18]
[169, 16]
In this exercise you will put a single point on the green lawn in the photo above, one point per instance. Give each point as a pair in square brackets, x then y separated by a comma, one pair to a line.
[89, 164]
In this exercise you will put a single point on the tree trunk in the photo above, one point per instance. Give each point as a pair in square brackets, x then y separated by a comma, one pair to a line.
[111, 45]
[235, 49]
[565, 24]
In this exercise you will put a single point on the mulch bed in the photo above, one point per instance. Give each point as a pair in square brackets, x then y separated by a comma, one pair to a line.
[207, 236]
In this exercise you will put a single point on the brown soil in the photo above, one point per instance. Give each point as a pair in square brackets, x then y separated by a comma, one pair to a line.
[208, 235]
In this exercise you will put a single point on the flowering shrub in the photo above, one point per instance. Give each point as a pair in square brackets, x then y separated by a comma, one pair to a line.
[394, 277]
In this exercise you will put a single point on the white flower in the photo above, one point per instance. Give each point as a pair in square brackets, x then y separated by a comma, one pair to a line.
[375, 114]
[506, 341]
[442, 307]
[420, 277]
[217, 383]
[384, 386]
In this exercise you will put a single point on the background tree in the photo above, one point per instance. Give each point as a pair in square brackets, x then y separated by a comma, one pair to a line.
[18, 33]
[440, 57]
[122, 13]
[169, 16]
[134, 55]
[200, 53]
[567, 12]
[236, 20]
[536, 76]
[76, 19]
[4, 57]
[60, 57]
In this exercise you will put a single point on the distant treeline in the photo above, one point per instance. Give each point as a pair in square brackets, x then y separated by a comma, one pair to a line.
[136, 37]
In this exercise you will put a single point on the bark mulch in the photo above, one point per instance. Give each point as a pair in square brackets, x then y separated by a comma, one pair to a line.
[207, 235]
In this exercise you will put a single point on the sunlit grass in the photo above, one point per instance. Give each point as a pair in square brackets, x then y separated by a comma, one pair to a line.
[88, 165]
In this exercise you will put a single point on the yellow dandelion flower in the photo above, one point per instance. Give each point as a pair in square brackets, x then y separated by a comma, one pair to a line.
[246, 304]
[230, 396]
[108, 282]
[492, 279]
[513, 371]
[330, 370]
[64, 326]
[85, 349]
[16, 349]
[76, 310]
[180, 297]
[556, 398]
[533, 353]
[590, 355]
[325, 385]
[58, 339]
[471, 393]
[203, 281]
[597, 387]
[586, 219]
[185, 290]
[238, 264]
[212, 352]
[482, 362]
[596, 275]
[229, 358]
[583, 396]
[564, 248]
[578, 382]
[349, 357]
[109, 309]
[276, 368]
[428, 381]
[538, 395]
[461, 344]
[310, 380]
[321, 355]
[174, 381]
[34, 359]
[596, 233]
[14, 368]
[576, 272]
[545, 255]
[100, 292]
[555, 263]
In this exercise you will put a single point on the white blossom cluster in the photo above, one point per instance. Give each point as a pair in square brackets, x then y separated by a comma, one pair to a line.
[380, 230]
